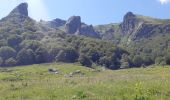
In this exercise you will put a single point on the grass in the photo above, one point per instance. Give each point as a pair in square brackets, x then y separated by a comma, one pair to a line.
[34, 82]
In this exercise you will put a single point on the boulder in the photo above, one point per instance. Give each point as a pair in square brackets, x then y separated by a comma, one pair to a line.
[88, 30]
[73, 24]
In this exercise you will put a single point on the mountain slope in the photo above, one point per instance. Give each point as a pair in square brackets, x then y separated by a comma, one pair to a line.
[142, 36]
[24, 41]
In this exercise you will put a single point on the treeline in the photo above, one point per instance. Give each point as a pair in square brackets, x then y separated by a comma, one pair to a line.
[18, 49]
[34, 48]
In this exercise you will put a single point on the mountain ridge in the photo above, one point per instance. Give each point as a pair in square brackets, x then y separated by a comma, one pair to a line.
[136, 41]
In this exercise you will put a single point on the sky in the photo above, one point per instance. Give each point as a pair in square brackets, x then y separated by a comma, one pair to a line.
[91, 11]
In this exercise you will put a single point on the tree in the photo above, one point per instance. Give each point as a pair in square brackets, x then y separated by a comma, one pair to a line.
[105, 61]
[67, 55]
[125, 61]
[53, 52]
[7, 52]
[167, 59]
[160, 61]
[94, 55]
[85, 61]
[14, 40]
[31, 44]
[1, 61]
[10, 62]
[137, 61]
[41, 55]
[147, 60]
[25, 57]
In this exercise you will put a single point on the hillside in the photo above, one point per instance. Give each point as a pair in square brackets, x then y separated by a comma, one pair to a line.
[36, 83]
[137, 41]
[24, 41]
[146, 38]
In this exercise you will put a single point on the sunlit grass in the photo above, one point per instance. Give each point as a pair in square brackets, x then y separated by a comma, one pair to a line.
[36, 83]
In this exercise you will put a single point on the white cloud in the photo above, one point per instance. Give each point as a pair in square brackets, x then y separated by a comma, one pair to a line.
[164, 1]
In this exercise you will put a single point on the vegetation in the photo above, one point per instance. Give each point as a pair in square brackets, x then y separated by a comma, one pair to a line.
[34, 82]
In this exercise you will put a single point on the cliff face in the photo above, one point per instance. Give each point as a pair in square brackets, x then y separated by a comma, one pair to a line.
[133, 28]
[21, 9]
[75, 26]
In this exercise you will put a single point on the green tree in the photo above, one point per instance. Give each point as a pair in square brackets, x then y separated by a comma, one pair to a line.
[7, 52]
[85, 61]
[25, 57]
[14, 40]
[167, 59]
[137, 61]
[41, 55]
[1, 61]
[10, 62]
[67, 55]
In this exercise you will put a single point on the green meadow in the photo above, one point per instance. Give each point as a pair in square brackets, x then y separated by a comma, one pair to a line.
[35, 82]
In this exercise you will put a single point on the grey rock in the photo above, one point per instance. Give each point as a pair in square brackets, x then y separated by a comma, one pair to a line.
[129, 23]
[56, 23]
[88, 30]
[21, 9]
[73, 24]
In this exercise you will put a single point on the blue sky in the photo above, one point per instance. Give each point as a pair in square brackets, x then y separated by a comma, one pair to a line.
[91, 11]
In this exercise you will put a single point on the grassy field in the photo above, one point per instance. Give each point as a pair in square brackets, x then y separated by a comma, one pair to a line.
[36, 83]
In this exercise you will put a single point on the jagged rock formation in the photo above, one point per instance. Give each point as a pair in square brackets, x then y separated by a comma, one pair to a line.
[133, 28]
[130, 23]
[20, 10]
[87, 30]
[56, 23]
[75, 26]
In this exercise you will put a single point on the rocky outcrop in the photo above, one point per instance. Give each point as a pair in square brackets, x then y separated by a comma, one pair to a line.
[88, 30]
[129, 24]
[21, 9]
[75, 26]
[56, 23]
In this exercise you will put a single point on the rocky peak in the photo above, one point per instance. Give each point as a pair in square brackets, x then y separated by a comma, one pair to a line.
[88, 30]
[130, 23]
[129, 15]
[56, 23]
[21, 9]
[73, 24]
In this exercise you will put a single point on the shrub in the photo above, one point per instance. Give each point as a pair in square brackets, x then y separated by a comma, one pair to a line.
[137, 61]
[7, 52]
[10, 62]
[1, 61]
[67, 55]
[85, 61]
[25, 57]
[14, 40]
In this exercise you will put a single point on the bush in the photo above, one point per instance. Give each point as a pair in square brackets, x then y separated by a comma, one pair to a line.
[160, 61]
[67, 55]
[85, 61]
[105, 61]
[137, 61]
[7, 52]
[1, 61]
[53, 52]
[25, 57]
[167, 59]
[41, 55]
[14, 40]
[10, 62]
